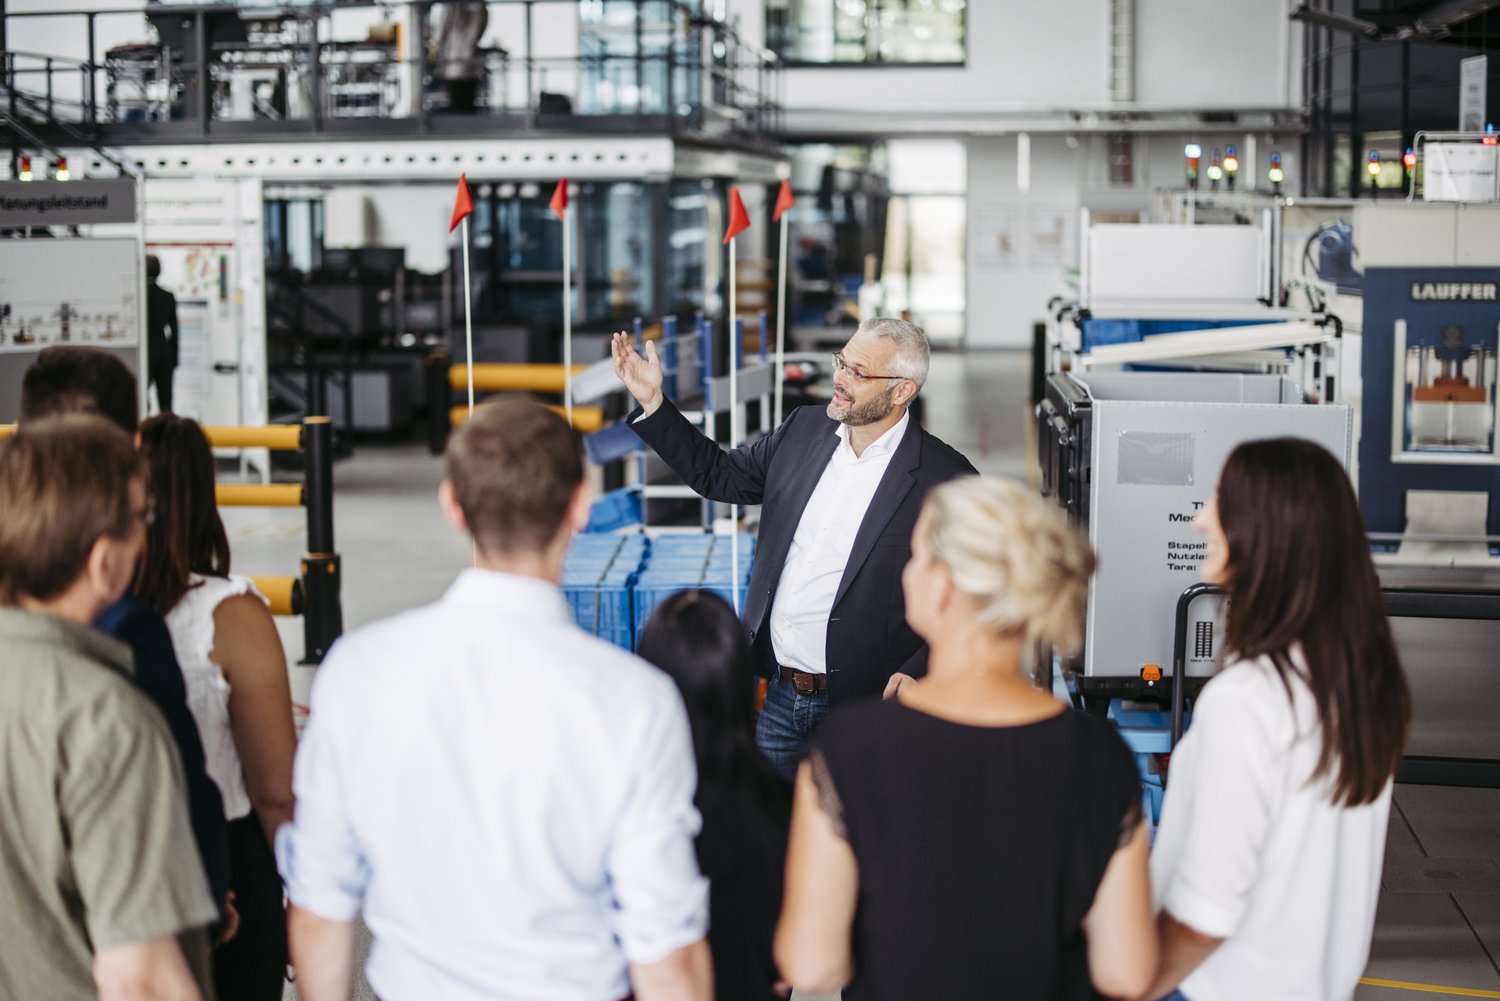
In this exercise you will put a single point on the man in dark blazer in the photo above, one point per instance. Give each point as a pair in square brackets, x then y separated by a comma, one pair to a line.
[840, 491]
[161, 335]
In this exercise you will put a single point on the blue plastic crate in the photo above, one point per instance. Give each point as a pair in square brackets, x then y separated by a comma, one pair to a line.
[598, 578]
[615, 510]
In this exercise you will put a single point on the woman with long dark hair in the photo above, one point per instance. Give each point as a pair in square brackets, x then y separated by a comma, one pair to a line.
[695, 637]
[1267, 862]
[238, 691]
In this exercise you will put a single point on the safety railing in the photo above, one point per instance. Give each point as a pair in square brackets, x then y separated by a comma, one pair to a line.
[448, 383]
[314, 593]
[299, 66]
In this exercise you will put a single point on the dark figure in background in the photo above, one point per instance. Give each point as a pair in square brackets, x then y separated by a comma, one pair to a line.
[455, 52]
[161, 334]
[695, 637]
[71, 379]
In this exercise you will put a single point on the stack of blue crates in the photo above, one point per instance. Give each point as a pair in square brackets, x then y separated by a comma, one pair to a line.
[599, 574]
[1148, 735]
[679, 562]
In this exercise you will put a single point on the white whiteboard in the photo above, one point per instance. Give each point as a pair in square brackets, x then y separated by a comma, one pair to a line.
[69, 292]
[1172, 263]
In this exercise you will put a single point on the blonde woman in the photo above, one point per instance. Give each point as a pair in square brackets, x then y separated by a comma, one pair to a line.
[973, 837]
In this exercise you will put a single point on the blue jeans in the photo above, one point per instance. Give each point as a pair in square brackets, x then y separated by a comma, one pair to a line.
[1175, 996]
[787, 719]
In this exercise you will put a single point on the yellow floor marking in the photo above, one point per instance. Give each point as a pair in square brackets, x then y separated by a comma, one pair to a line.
[1402, 985]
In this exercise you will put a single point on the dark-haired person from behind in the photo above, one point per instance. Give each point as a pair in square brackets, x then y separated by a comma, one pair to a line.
[1267, 862]
[237, 689]
[695, 637]
[73, 379]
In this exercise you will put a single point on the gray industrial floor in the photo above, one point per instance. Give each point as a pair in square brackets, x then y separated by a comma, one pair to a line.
[1438, 928]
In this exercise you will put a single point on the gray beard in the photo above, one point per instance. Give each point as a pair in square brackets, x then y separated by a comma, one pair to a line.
[870, 412]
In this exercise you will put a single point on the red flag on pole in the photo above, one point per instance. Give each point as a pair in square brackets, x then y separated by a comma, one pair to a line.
[462, 205]
[559, 202]
[784, 200]
[739, 219]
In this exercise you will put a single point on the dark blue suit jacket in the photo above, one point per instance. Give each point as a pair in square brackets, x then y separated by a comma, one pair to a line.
[157, 674]
[868, 638]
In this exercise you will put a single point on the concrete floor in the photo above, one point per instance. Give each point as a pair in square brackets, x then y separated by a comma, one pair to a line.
[1438, 927]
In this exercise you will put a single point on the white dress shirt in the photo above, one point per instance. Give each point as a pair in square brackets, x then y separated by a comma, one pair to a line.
[821, 547]
[1251, 849]
[508, 799]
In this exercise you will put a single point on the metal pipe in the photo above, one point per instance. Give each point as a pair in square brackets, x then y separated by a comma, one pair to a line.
[323, 619]
[259, 494]
[585, 419]
[317, 444]
[1179, 653]
[439, 400]
[93, 85]
[501, 377]
[277, 437]
[530, 71]
[283, 594]
[200, 39]
[669, 355]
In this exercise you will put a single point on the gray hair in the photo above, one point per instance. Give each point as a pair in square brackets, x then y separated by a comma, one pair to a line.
[912, 350]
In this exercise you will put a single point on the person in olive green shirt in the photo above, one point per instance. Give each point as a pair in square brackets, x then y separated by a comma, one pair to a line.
[104, 896]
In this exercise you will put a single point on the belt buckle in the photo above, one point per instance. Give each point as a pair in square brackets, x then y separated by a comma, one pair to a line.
[805, 684]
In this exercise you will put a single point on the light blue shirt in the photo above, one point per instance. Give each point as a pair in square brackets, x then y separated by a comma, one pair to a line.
[507, 799]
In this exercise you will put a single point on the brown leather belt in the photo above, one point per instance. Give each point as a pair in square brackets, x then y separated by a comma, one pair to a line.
[804, 683]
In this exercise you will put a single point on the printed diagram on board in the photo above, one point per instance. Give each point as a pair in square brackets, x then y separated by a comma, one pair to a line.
[43, 301]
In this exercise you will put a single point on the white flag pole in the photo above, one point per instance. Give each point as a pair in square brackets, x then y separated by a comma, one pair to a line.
[780, 327]
[567, 315]
[468, 355]
[468, 320]
[734, 425]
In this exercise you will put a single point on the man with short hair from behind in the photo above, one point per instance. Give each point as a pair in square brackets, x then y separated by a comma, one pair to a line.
[97, 870]
[74, 379]
[508, 799]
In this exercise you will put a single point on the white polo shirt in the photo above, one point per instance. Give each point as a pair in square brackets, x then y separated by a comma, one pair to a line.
[508, 799]
[821, 546]
[1248, 850]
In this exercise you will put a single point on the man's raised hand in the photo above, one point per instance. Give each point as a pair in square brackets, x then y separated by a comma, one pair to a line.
[642, 376]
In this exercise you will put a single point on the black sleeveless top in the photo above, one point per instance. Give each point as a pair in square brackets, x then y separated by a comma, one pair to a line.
[979, 848]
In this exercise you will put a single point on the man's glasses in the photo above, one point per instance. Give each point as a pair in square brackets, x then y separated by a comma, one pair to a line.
[840, 365]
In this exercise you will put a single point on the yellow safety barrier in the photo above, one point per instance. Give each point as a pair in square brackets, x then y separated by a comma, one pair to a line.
[258, 494]
[284, 593]
[277, 437]
[495, 377]
[585, 419]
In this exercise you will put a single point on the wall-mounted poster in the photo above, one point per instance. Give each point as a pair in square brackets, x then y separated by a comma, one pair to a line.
[997, 237]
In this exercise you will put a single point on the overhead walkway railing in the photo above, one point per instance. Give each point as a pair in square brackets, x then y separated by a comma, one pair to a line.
[294, 67]
[313, 592]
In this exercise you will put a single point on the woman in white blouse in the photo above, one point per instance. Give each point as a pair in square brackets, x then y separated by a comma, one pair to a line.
[237, 687]
[1267, 862]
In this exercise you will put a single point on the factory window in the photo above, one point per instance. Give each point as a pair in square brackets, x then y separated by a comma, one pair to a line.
[868, 32]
